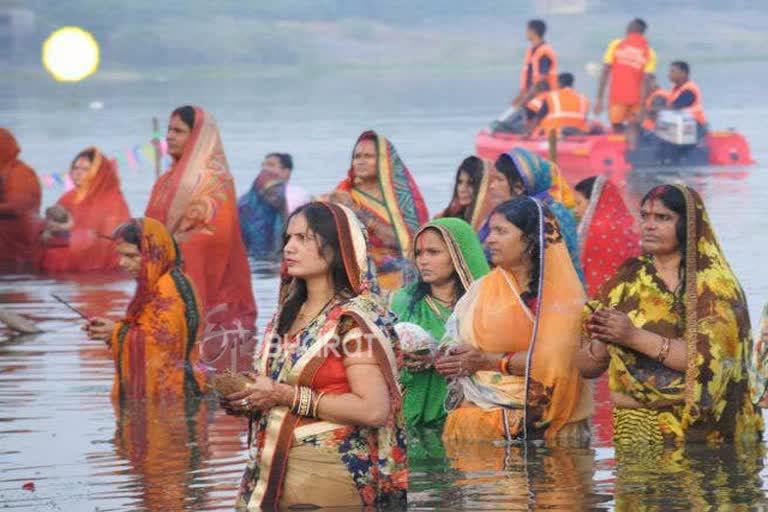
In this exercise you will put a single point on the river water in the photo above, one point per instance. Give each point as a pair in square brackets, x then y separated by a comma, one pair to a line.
[58, 428]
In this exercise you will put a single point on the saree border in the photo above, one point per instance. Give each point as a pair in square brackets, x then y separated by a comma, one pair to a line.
[402, 233]
[582, 232]
[691, 295]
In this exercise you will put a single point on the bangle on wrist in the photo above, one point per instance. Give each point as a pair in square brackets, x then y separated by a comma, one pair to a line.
[592, 354]
[666, 344]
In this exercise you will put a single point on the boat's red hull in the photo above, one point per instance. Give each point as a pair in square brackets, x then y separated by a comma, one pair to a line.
[589, 155]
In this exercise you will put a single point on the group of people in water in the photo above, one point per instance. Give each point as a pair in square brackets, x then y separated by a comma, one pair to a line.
[397, 333]
[548, 101]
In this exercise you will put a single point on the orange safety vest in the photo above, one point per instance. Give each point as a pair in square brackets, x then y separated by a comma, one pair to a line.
[532, 58]
[696, 110]
[566, 107]
[628, 70]
[648, 123]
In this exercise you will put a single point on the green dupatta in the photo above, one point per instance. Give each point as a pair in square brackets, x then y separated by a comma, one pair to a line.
[426, 390]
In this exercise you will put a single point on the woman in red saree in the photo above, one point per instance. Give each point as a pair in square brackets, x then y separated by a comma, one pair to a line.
[19, 207]
[96, 207]
[325, 405]
[382, 192]
[196, 201]
[607, 232]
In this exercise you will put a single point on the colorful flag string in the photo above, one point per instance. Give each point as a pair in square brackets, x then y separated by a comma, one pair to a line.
[139, 157]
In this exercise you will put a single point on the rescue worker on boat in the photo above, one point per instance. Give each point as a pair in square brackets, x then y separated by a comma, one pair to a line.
[685, 94]
[540, 64]
[656, 101]
[627, 63]
[563, 110]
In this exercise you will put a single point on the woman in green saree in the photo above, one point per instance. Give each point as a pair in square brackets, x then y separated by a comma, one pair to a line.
[449, 258]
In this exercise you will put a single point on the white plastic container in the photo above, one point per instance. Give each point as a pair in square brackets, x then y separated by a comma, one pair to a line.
[676, 127]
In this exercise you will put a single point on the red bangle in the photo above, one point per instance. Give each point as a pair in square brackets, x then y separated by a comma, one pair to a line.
[503, 363]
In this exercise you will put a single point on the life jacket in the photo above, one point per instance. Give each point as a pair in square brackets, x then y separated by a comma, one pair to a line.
[696, 110]
[630, 58]
[532, 58]
[566, 107]
[648, 123]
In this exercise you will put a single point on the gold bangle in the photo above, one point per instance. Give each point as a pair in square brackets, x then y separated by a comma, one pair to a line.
[592, 354]
[316, 404]
[295, 402]
[666, 344]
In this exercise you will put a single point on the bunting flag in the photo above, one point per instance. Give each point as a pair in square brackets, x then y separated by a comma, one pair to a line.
[138, 158]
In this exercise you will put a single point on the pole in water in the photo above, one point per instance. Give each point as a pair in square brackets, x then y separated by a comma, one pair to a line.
[553, 146]
[156, 144]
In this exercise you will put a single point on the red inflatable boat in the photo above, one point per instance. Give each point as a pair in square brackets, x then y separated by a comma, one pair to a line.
[587, 155]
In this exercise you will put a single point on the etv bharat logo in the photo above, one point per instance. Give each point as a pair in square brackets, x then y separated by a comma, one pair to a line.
[227, 346]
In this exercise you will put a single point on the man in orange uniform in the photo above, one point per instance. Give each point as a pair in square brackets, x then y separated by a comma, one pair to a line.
[540, 64]
[685, 95]
[657, 100]
[627, 62]
[564, 109]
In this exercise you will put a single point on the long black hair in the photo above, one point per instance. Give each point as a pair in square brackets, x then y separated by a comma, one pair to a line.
[186, 114]
[586, 186]
[321, 222]
[88, 154]
[506, 166]
[473, 167]
[423, 289]
[524, 214]
[673, 199]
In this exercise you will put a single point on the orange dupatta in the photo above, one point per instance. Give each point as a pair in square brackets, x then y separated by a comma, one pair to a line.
[196, 201]
[20, 196]
[154, 345]
[97, 208]
[493, 317]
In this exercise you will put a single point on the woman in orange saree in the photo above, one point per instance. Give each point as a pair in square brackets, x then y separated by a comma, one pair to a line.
[96, 207]
[154, 346]
[381, 191]
[196, 201]
[19, 207]
[514, 336]
[327, 428]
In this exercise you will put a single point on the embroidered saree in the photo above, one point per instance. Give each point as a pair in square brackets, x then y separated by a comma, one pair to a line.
[263, 211]
[553, 401]
[426, 390]
[20, 196]
[482, 202]
[97, 208]
[312, 462]
[154, 346]
[398, 216]
[543, 181]
[711, 400]
[195, 199]
[608, 235]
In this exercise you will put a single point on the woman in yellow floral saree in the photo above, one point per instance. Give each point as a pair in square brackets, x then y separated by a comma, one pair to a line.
[514, 336]
[382, 192]
[672, 330]
[327, 428]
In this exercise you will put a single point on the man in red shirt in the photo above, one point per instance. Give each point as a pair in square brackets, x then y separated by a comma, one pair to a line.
[627, 62]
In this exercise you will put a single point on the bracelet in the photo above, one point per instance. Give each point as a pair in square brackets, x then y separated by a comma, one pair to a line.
[666, 344]
[508, 359]
[504, 364]
[316, 403]
[592, 354]
[302, 407]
